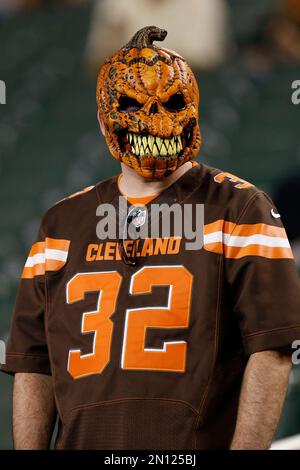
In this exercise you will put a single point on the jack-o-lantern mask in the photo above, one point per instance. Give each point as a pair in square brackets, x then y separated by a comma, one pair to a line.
[148, 104]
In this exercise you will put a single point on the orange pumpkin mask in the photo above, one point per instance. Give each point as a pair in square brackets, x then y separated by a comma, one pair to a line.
[148, 104]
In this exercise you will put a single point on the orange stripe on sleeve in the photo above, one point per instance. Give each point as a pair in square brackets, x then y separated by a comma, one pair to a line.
[54, 265]
[50, 255]
[259, 229]
[244, 230]
[36, 270]
[238, 241]
[216, 247]
[57, 244]
[219, 226]
[38, 247]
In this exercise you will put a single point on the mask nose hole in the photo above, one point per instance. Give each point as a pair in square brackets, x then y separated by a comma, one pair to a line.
[153, 108]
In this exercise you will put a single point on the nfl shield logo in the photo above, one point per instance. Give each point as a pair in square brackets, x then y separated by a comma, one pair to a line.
[139, 218]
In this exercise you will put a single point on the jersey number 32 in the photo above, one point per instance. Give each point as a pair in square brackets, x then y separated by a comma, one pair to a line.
[135, 356]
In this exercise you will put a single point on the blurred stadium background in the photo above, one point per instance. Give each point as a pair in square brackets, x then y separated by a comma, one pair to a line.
[246, 55]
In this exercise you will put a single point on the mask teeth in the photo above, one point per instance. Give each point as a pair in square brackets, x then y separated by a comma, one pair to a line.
[157, 146]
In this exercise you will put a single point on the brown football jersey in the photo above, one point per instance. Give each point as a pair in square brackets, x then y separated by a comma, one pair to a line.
[152, 355]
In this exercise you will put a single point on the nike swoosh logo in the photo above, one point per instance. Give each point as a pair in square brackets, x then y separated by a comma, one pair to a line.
[275, 215]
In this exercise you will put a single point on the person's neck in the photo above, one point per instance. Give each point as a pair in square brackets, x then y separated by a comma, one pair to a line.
[133, 185]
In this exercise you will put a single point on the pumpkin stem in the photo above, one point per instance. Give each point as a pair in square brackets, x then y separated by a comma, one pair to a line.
[145, 37]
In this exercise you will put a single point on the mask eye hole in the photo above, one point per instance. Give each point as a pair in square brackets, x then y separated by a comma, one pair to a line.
[176, 102]
[127, 104]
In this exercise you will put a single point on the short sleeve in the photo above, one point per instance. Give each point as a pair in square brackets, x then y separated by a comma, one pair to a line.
[27, 345]
[263, 278]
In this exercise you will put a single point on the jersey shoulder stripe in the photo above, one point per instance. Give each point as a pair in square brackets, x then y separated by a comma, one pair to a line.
[238, 241]
[49, 255]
